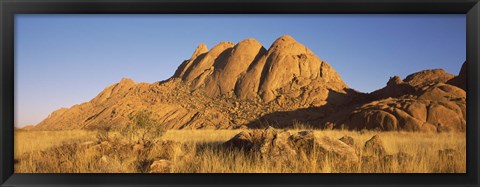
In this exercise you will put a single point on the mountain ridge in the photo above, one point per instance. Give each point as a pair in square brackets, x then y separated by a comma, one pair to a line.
[244, 85]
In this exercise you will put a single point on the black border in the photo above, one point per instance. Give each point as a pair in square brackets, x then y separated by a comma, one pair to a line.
[8, 8]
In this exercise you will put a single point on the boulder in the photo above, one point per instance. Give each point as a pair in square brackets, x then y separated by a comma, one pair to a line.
[282, 146]
[347, 140]
[332, 147]
[442, 92]
[374, 146]
[161, 166]
[428, 77]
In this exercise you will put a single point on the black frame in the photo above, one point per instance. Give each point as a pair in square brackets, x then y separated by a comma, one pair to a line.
[8, 8]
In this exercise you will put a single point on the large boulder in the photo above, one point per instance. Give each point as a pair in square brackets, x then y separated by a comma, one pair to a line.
[282, 146]
[409, 115]
[442, 92]
[428, 77]
[347, 140]
[374, 146]
[161, 166]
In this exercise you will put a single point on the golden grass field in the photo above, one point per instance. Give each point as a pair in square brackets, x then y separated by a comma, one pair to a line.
[57, 152]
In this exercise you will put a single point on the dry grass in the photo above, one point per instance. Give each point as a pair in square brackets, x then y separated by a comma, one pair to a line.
[201, 136]
[64, 152]
[28, 141]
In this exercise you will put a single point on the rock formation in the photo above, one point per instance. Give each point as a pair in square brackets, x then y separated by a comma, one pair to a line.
[374, 146]
[225, 87]
[421, 102]
[244, 85]
[282, 146]
[247, 70]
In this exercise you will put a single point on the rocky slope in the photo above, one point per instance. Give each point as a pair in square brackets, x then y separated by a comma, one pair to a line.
[244, 85]
[423, 101]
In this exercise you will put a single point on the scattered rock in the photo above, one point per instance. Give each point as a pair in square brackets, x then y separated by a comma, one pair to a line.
[161, 166]
[338, 149]
[242, 140]
[347, 140]
[104, 159]
[374, 146]
[282, 146]
[168, 149]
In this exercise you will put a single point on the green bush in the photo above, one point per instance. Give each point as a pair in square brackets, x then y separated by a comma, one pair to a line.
[142, 127]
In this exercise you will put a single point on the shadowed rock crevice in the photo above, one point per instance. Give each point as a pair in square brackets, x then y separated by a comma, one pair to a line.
[461, 79]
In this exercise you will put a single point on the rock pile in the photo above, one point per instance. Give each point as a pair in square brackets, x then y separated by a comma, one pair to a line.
[282, 146]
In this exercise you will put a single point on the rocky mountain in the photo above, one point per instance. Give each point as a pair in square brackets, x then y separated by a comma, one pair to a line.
[244, 85]
[248, 71]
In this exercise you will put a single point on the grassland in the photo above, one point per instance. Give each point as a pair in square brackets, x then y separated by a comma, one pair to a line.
[61, 152]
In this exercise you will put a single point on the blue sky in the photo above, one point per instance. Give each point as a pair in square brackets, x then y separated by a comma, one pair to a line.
[62, 60]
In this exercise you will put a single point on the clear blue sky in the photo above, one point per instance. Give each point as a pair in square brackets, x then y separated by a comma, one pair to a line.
[62, 60]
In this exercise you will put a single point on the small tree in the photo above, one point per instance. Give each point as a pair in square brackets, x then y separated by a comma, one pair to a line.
[142, 127]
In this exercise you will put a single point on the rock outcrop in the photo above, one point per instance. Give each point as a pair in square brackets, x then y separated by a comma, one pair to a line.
[428, 77]
[228, 86]
[374, 146]
[421, 102]
[247, 70]
[161, 166]
[397, 87]
[282, 146]
[244, 85]
[347, 140]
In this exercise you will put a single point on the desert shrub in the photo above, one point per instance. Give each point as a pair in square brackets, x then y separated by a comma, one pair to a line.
[142, 127]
